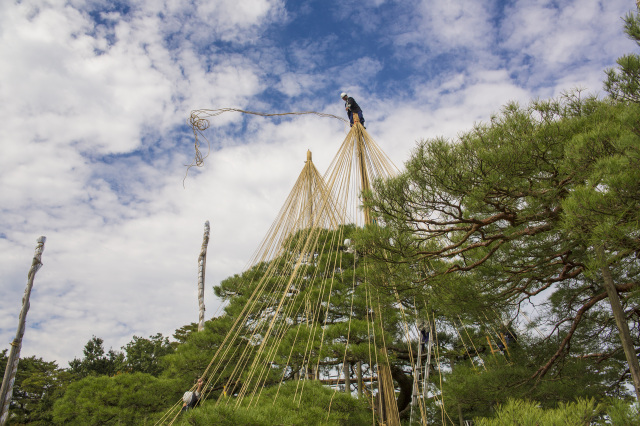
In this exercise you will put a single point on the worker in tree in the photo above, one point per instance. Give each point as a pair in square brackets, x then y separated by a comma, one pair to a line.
[352, 107]
[190, 399]
[423, 327]
[507, 338]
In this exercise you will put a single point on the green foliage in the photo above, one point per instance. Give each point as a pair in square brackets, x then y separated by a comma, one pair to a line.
[122, 399]
[191, 358]
[527, 413]
[477, 389]
[324, 304]
[38, 384]
[96, 361]
[623, 84]
[313, 405]
[144, 355]
[623, 413]
[511, 211]
[183, 333]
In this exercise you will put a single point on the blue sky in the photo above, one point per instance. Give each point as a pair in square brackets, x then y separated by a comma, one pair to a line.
[95, 95]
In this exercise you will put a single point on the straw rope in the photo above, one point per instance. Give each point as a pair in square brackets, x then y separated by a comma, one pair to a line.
[199, 122]
[317, 204]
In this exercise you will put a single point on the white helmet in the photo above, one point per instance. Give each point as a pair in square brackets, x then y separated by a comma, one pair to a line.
[343, 95]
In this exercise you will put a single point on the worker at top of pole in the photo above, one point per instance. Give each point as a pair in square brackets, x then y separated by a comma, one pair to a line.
[352, 107]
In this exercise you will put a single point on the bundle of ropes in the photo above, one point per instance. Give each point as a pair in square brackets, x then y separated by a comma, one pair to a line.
[199, 122]
[292, 291]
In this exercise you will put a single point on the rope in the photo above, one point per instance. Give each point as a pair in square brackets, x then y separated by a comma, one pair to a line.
[280, 291]
[346, 346]
[473, 344]
[198, 121]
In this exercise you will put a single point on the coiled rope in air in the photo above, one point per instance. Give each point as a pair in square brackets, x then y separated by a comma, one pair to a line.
[199, 122]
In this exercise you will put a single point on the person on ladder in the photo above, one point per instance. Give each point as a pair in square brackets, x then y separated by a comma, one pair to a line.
[352, 107]
[423, 327]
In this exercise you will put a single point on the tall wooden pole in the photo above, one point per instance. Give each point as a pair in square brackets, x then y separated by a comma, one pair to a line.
[364, 176]
[310, 188]
[347, 377]
[416, 380]
[202, 266]
[621, 321]
[6, 392]
[359, 378]
[388, 409]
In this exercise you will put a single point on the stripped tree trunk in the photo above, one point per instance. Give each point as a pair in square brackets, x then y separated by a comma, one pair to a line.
[202, 265]
[6, 392]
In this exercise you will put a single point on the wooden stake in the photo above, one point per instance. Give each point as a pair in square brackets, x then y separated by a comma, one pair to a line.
[202, 265]
[6, 392]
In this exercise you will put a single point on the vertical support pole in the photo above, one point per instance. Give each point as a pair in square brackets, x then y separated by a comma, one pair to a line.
[309, 189]
[347, 377]
[359, 376]
[427, 368]
[6, 392]
[416, 380]
[364, 176]
[202, 266]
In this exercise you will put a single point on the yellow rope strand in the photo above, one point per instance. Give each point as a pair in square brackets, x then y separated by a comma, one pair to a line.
[317, 204]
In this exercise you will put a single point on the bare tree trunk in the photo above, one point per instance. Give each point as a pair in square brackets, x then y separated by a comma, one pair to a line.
[621, 322]
[6, 392]
[202, 266]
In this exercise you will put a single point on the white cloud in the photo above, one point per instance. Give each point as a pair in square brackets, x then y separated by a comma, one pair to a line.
[293, 84]
[449, 25]
[122, 235]
[545, 38]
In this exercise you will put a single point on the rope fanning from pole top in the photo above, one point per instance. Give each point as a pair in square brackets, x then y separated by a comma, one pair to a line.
[288, 282]
[199, 122]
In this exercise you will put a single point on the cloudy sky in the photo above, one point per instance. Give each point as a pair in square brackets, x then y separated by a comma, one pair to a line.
[95, 96]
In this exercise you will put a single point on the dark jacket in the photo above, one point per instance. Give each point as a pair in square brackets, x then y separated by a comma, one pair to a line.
[352, 105]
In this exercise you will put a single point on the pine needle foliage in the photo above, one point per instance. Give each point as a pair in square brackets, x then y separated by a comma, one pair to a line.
[286, 410]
